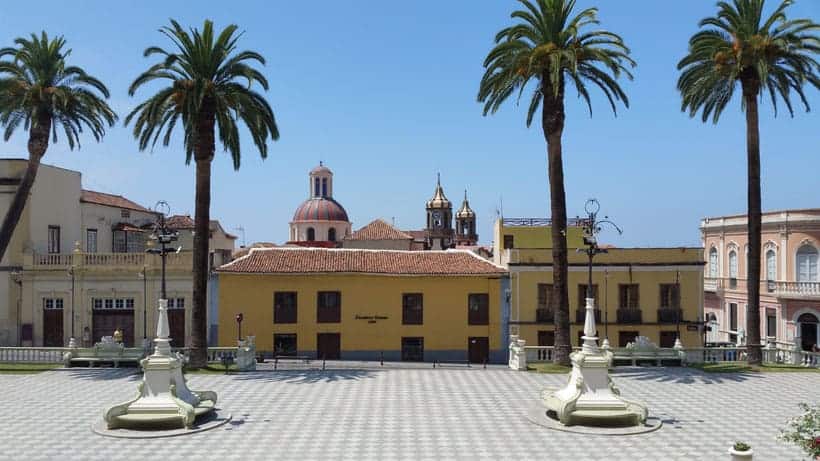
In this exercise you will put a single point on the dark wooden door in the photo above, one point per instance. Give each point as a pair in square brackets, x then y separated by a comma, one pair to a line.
[328, 346]
[478, 349]
[53, 328]
[412, 349]
[105, 321]
[546, 338]
[176, 323]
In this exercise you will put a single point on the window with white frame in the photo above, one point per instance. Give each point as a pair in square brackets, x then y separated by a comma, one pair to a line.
[771, 265]
[733, 264]
[176, 303]
[52, 303]
[91, 240]
[112, 303]
[53, 239]
[807, 264]
[713, 263]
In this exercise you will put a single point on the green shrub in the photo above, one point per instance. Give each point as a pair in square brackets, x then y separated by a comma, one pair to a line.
[804, 430]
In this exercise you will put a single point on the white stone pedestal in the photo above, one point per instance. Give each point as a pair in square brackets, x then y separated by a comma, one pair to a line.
[163, 400]
[518, 355]
[590, 396]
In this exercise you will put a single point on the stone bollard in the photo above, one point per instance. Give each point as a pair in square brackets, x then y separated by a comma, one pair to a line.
[518, 355]
[246, 354]
[72, 344]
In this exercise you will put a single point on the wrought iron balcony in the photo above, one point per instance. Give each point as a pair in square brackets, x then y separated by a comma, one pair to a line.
[580, 315]
[544, 315]
[628, 315]
[670, 315]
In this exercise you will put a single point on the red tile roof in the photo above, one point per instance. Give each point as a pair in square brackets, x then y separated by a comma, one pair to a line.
[379, 230]
[117, 201]
[418, 235]
[180, 222]
[320, 260]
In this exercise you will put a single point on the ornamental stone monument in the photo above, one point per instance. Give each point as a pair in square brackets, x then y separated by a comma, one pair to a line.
[590, 397]
[163, 399]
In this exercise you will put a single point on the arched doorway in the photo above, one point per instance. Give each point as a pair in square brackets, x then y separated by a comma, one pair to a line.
[809, 326]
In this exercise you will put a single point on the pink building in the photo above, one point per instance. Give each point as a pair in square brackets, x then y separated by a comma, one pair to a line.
[790, 284]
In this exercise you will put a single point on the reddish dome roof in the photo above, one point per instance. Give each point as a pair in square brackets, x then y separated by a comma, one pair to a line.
[320, 209]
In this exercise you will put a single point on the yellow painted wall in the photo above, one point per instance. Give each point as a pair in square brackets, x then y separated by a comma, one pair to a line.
[535, 236]
[530, 264]
[445, 310]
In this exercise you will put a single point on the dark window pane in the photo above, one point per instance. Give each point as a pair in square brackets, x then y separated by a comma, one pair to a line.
[478, 309]
[329, 307]
[284, 344]
[668, 338]
[412, 312]
[284, 307]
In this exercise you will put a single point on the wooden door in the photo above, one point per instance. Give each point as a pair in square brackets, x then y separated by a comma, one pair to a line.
[53, 328]
[478, 349]
[546, 338]
[328, 346]
[176, 323]
[105, 321]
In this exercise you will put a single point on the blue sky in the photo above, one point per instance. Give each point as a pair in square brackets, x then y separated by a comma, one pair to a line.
[385, 93]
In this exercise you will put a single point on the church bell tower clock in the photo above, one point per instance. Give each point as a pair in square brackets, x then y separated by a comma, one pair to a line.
[439, 231]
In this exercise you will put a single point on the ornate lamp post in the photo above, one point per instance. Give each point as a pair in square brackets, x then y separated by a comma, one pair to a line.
[164, 236]
[239, 317]
[164, 398]
[590, 397]
[592, 226]
[72, 342]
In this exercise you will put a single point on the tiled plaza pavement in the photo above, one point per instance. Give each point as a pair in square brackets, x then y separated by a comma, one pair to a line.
[422, 413]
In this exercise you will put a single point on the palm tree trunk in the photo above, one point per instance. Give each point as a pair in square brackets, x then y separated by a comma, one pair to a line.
[751, 90]
[37, 145]
[552, 121]
[199, 315]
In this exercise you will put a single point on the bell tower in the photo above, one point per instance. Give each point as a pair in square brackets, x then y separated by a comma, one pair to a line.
[466, 224]
[439, 231]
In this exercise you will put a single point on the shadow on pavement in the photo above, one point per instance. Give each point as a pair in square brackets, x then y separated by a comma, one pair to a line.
[682, 375]
[103, 374]
[305, 376]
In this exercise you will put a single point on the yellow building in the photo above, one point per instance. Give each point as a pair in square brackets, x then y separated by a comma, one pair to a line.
[366, 304]
[652, 292]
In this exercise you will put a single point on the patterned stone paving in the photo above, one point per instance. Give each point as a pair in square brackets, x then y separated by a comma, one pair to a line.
[367, 412]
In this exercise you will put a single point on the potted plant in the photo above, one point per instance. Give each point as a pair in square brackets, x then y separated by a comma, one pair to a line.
[804, 431]
[741, 451]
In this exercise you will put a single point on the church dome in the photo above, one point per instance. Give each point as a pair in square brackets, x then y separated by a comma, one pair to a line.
[439, 200]
[320, 209]
[465, 211]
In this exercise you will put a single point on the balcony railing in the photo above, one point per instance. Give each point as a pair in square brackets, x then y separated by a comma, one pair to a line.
[580, 315]
[544, 315]
[806, 290]
[132, 261]
[670, 315]
[629, 316]
[52, 259]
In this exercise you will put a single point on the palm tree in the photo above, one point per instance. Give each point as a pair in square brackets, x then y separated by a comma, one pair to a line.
[209, 86]
[771, 54]
[550, 45]
[41, 92]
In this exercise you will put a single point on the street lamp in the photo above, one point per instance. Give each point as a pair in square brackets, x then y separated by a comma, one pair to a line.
[164, 236]
[239, 317]
[144, 276]
[71, 274]
[592, 226]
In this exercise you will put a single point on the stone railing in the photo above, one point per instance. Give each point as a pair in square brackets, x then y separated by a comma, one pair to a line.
[52, 259]
[775, 355]
[80, 261]
[778, 288]
[32, 354]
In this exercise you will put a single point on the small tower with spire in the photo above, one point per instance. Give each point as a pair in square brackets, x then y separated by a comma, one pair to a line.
[439, 230]
[465, 224]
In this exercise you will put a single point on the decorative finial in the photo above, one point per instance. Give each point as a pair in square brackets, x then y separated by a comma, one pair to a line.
[321, 163]
[438, 179]
[465, 195]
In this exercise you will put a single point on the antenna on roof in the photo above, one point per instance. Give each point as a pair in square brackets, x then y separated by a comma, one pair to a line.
[241, 230]
[393, 221]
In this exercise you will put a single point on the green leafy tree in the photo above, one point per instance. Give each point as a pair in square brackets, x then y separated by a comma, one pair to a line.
[209, 87]
[552, 47]
[45, 96]
[764, 55]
